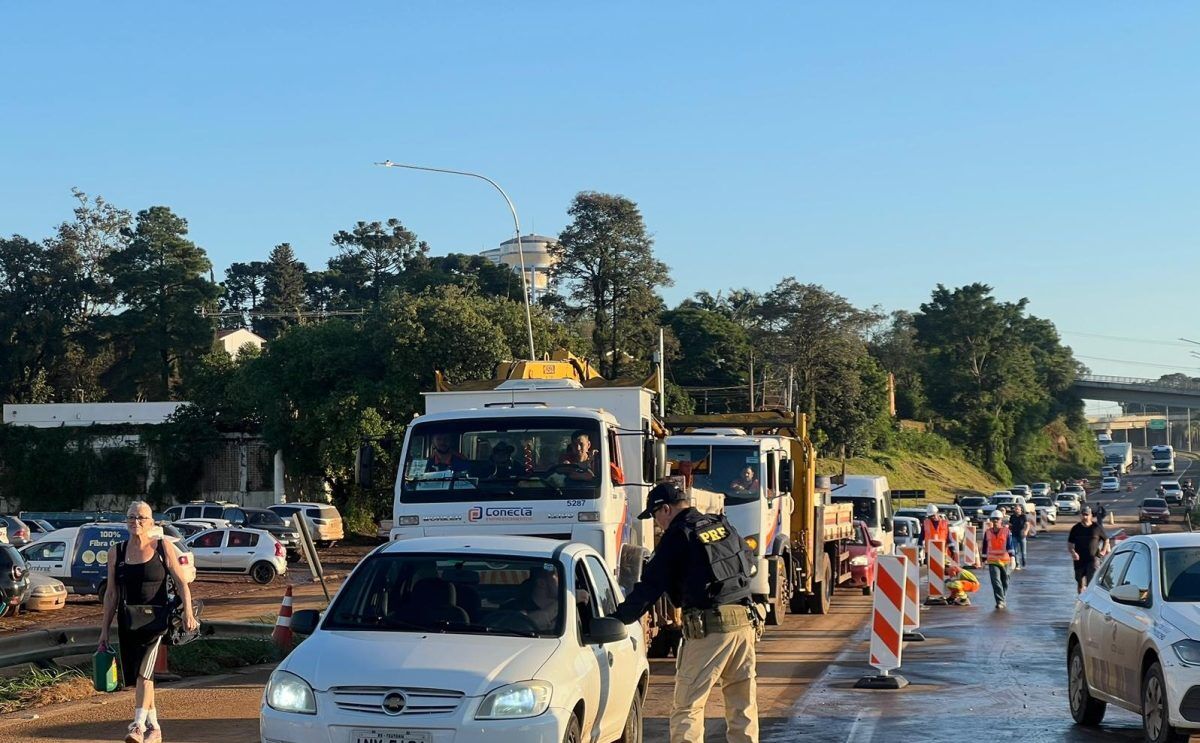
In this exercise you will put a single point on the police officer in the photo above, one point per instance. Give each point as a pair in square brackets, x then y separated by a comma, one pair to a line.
[703, 565]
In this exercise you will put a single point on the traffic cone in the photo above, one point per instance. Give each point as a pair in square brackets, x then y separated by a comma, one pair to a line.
[282, 634]
[162, 671]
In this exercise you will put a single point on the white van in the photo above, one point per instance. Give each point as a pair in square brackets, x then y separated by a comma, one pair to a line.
[78, 555]
[872, 500]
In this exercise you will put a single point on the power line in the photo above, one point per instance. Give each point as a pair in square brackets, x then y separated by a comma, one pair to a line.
[1176, 367]
[1128, 339]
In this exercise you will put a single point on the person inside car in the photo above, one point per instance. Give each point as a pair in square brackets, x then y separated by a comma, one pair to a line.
[538, 599]
[444, 457]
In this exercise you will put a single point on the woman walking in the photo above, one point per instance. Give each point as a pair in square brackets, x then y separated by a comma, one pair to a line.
[137, 595]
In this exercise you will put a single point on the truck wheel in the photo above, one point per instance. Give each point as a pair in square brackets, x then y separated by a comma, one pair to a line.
[822, 593]
[777, 606]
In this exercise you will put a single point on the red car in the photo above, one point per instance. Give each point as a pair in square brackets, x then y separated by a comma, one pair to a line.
[1154, 509]
[864, 553]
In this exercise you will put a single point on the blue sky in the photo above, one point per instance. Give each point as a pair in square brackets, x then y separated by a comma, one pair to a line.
[1049, 150]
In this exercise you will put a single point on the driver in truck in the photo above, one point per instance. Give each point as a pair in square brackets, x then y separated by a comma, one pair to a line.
[746, 483]
[444, 457]
[580, 458]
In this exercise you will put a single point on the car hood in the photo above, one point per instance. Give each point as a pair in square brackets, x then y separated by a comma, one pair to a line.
[472, 664]
[1183, 615]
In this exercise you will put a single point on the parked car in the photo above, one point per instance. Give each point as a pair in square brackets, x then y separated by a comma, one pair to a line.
[864, 555]
[1005, 501]
[324, 518]
[198, 510]
[1078, 489]
[268, 520]
[958, 520]
[1133, 638]
[18, 531]
[1039, 489]
[206, 523]
[487, 672]
[1068, 503]
[1155, 510]
[1022, 490]
[975, 507]
[38, 528]
[45, 593]
[251, 552]
[1046, 508]
[190, 528]
[78, 555]
[1110, 485]
[906, 531]
[1171, 491]
[14, 580]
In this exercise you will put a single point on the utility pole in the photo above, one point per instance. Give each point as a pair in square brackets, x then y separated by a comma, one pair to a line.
[751, 381]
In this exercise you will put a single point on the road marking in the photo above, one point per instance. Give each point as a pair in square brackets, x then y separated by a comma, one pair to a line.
[863, 727]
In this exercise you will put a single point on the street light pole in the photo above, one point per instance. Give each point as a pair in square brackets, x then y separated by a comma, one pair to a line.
[516, 228]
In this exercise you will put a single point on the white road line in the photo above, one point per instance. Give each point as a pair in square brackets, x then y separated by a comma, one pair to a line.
[863, 727]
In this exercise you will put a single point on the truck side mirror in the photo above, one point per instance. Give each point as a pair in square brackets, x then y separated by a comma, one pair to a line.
[786, 473]
[364, 465]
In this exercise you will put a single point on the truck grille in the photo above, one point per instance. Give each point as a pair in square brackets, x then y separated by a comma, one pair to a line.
[418, 702]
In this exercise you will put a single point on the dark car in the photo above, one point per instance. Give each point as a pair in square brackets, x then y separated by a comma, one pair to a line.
[38, 528]
[19, 534]
[975, 508]
[268, 521]
[1154, 509]
[14, 579]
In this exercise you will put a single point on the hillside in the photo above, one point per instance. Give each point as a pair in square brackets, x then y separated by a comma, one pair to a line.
[941, 477]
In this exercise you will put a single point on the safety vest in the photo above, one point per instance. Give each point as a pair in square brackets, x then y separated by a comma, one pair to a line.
[939, 530]
[997, 546]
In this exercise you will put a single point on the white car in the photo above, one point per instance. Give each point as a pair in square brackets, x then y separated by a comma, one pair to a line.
[1110, 485]
[1039, 489]
[1134, 639]
[1046, 508]
[206, 523]
[906, 530]
[1067, 503]
[252, 552]
[473, 639]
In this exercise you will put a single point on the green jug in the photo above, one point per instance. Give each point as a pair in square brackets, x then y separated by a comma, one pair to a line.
[104, 669]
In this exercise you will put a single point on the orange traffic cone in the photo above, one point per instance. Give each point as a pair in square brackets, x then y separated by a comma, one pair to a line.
[282, 634]
[162, 671]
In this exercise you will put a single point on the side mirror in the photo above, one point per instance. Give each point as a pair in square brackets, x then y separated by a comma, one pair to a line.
[603, 631]
[876, 543]
[305, 621]
[1130, 595]
[786, 476]
[885, 526]
[364, 466]
[648, 460]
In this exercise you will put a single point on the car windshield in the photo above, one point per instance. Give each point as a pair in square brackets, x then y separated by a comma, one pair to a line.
[1110, 480]
[1067, 496]
[903, 528]
[524, 458]
[264, 518]
[1181, 574]
[1040, 501]
[973, 502]
[452, 593]
[732, 470]
[864, 508]
[952, 513]
[860, 538]
[1154, 503]
[1170, 486]
[1003, 499]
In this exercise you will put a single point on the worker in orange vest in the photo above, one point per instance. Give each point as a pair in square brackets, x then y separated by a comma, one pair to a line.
[934, 527]
[998, 550]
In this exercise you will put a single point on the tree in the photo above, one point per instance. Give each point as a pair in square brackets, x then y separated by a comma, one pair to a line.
[40, 293]
[98, 230]
[161, 280]
[605, 260]
[894, 347]
[380, 253]
[284, 292]
[713, 350]
[245, 284]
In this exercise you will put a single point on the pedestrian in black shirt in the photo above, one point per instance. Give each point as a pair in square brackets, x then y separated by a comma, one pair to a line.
[1087, 542]
[1019, 527]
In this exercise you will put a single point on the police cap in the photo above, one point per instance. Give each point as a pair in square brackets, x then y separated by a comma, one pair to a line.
[662, 494]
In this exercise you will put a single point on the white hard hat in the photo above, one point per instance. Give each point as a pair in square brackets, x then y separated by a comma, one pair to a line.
[997, 514]
[931, 509]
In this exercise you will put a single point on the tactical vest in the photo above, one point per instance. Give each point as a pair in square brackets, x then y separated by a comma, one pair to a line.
[728, 560]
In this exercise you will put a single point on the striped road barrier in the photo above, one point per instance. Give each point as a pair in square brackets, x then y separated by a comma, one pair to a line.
[912, 594]
[887, 624]
[937, 571]
[970, 547]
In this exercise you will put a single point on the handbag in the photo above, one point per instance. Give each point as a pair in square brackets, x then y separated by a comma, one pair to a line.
[147, 619]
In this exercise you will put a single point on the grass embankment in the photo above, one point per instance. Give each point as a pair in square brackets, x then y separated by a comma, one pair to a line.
[940, 476]
[37, 688]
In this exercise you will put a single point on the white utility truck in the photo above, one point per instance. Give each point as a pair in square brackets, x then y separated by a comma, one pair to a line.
[1118, 456]
[1163, 460]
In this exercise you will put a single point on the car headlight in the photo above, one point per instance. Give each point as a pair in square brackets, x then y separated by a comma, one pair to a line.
[858, 562]
[287, 692]
[523, 699]
[1188, 652]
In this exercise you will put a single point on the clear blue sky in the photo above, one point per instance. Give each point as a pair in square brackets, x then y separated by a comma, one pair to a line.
[1050, 150]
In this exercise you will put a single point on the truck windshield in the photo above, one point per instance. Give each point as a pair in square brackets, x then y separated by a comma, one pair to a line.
[497, 595]
[526, 458]
[864, 508]
[732, 470]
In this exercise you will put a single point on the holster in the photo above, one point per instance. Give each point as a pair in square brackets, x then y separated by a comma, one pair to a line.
[698, 623]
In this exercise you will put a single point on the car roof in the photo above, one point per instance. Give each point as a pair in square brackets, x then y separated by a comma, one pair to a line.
[300, 504]
[1174, 539]
[492, 544]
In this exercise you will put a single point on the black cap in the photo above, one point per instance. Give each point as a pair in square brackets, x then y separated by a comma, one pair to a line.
[660, 495]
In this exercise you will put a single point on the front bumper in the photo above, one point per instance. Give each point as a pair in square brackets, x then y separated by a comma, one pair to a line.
[335, 726]
[1154, 517]
[1183, 691]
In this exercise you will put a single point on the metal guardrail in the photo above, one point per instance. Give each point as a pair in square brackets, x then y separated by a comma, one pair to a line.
[42, 646]
[1166, 385]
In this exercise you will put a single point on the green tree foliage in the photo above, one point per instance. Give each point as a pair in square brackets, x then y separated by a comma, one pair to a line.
[161, 280]
[894, 346]
[284, 292]
[606, 265]
[373, 258]
[245, 286]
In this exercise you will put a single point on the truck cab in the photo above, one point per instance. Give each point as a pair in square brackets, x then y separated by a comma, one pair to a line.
[754, 475]
[872, 501]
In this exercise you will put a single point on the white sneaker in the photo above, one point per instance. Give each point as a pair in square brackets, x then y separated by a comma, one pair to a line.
[153, 734]
[137, 733]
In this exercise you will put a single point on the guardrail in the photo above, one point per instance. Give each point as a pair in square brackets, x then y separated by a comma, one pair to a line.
[42, 646]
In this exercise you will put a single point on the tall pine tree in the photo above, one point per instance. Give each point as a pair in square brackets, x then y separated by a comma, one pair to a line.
[284, 292]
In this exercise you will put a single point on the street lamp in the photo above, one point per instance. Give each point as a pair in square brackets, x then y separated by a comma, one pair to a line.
[516, 227]
[1189, 340]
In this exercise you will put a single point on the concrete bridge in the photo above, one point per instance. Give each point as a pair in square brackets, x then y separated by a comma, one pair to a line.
[1144, 391]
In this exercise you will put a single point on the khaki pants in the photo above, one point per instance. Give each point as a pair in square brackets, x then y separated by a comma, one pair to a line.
[728, 656]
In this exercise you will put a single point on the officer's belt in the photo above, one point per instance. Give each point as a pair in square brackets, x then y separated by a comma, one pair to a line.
[719, 619]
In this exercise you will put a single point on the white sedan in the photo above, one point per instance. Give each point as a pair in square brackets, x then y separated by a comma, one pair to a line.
[1134, 639]
[473, 639]
[1110, 485]
[252, 552]
[1067, 503]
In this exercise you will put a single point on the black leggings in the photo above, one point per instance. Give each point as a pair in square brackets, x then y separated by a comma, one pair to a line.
[139, 653]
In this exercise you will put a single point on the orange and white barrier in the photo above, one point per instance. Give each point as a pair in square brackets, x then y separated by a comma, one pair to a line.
[970, 547]
[887, 623]
[282, 634]
[912, 593]
[937, 571]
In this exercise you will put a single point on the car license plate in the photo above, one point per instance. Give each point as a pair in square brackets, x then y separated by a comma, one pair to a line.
[390, 736]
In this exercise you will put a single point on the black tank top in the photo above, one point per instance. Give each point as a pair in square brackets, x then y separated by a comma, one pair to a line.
[142, 583]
